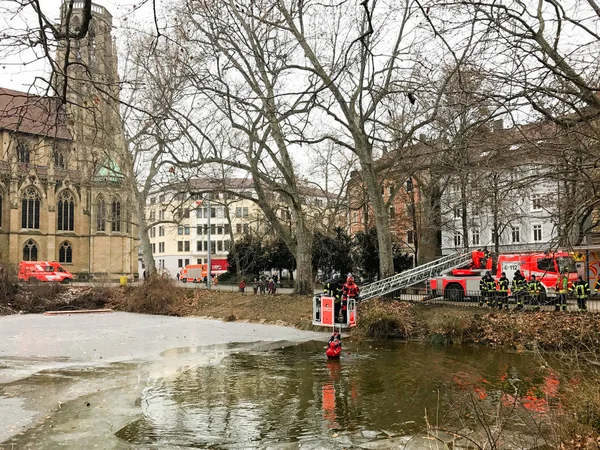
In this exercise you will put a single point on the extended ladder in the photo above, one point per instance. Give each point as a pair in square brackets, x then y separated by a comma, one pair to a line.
[416, 275]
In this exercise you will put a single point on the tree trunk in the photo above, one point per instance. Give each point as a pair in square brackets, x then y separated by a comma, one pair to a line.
[382, 225]
[304, 279]
[147, 256]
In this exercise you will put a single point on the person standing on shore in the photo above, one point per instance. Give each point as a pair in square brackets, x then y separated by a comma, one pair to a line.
[242, 286]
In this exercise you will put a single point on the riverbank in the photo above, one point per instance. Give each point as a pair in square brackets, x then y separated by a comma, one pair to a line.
[442, 324]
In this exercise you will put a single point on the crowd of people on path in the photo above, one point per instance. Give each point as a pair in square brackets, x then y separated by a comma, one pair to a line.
[261, 285]
[495, 293]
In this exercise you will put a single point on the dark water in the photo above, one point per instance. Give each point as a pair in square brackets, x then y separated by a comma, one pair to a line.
[294, 395]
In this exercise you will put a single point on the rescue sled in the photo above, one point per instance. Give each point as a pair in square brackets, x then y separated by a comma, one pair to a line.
[334, 350]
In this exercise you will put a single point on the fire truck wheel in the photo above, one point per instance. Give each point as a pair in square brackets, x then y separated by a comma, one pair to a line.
[66, 281]
[454, 292]
[184, 280]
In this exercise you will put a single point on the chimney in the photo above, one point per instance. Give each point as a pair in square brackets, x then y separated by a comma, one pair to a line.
[498, 125]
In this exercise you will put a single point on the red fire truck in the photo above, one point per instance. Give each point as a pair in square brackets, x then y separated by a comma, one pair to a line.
[463, 282]
[43, 271]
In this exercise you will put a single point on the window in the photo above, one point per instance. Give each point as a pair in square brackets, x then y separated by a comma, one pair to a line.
[245, 214]
[199, 261]
[219, 229]
[66, 212]
[238, 228]
[205, 245]
[199, 230]
[161, 247]
[475, 236]
[153, 245]
[213, 212]
[186, 230]
[152, 200]
[116, 215]
[238, 212]
[516, 235]
[409, 185]
[161, 214]
[319, 203]
[392, 212]
[198, 213]
[59, 159]
[30, 252]
[180, 231]
[23, 153]
[213, 247]
[457, 239]
[537, 233]
[179, 246]
[161, 230]
[220, 246]
[246, 228]
[213, 229]
[100, 214]
[220, 213]
[30, 209]
[536, 202]
[153, 232]
[410, 237]
[225, 228]
[180, 263]
[546, 265]
[198, 246]
[187, 262]
[152, 216]
[186, 246]
[457, 212]
[226, 245]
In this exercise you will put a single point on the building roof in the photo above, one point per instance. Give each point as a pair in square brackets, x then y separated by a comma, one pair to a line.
[25, 113]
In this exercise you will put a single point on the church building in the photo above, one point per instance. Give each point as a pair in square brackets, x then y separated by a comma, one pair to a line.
[63, 196]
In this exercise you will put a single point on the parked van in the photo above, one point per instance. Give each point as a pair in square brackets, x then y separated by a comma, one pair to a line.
[194, 273]
[44, 271]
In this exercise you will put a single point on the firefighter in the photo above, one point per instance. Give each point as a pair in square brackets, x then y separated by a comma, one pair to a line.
[483, 294]
[582, 291]
[503, 292]
[349, 290]
[535, 290]
[518, 289]
[333, 288]
[562, 287]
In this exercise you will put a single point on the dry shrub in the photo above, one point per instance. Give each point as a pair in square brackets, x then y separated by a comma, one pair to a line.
[37, 297]
[381, 319]
[157, 295]
[8, 287]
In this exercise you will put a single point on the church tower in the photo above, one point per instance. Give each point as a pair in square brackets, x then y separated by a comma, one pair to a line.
[86, 78]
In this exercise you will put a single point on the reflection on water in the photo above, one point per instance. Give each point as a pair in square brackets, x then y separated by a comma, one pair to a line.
[294, 394]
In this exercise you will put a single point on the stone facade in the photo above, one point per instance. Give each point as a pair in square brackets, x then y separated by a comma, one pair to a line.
[61, 190]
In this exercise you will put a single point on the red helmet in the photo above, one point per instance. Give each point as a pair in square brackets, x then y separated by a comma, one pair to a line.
[350, 279]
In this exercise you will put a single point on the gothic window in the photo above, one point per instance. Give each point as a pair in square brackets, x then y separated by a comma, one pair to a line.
[65, 253]
[100, 213]
[116, 215]
[30, 209]
[30, 252]
[66, 212]
[59, 159]
[92, 44]
[23, 153]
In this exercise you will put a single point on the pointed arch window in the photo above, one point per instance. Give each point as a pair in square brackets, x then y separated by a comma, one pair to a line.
[65, 253]
[30, 251]
[59, 159]
[30, 209]
[23, 153]
[116, 215]
[100, 214]
[66, 211]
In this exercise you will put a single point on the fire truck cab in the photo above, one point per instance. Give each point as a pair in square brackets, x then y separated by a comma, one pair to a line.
[463, 282]
[43, 271]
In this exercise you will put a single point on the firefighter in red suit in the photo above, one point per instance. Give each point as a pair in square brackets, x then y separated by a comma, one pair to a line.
[350, 290]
